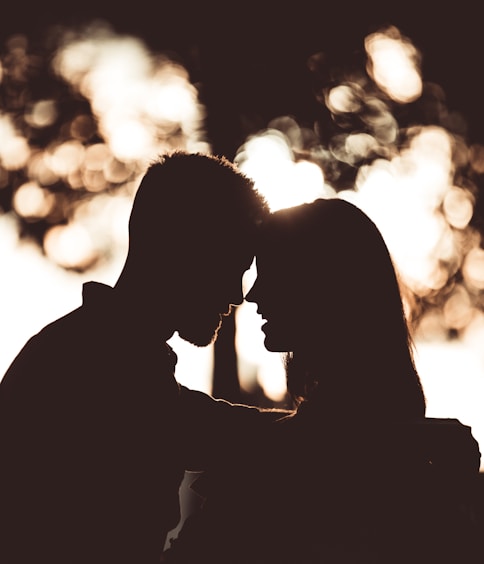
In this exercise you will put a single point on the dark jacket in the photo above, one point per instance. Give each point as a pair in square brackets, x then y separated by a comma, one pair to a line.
[91, 423]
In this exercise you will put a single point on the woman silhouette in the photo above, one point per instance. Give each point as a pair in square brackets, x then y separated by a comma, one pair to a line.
[330, 295]
[339, 479]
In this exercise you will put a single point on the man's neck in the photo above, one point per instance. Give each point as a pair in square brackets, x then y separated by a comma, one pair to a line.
[151, 319]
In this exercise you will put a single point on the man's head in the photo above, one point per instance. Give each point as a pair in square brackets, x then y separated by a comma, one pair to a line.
[191, 232]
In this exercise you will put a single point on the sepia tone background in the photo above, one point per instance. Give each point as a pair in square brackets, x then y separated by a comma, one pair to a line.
[90, 91]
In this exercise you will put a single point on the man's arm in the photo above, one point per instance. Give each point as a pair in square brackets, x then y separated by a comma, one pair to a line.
[209, 427]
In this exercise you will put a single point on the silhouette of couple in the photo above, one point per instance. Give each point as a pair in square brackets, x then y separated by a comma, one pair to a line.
[96, 433]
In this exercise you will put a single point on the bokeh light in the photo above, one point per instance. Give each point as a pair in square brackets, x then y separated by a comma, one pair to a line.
[393, 63]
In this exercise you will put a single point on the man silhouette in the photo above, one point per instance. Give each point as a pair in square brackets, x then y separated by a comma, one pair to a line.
[92, 420]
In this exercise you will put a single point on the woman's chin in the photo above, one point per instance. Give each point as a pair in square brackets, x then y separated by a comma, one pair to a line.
[273, 342]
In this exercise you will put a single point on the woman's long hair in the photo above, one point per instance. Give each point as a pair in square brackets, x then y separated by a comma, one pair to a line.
[355, 347]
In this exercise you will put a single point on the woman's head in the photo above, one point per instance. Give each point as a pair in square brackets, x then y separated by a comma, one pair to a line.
[329, 292]
[323, 268]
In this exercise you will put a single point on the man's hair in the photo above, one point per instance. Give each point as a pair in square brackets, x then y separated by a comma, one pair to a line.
[194, 196]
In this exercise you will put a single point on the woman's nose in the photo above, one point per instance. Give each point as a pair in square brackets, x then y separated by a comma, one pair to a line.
[251, 295]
